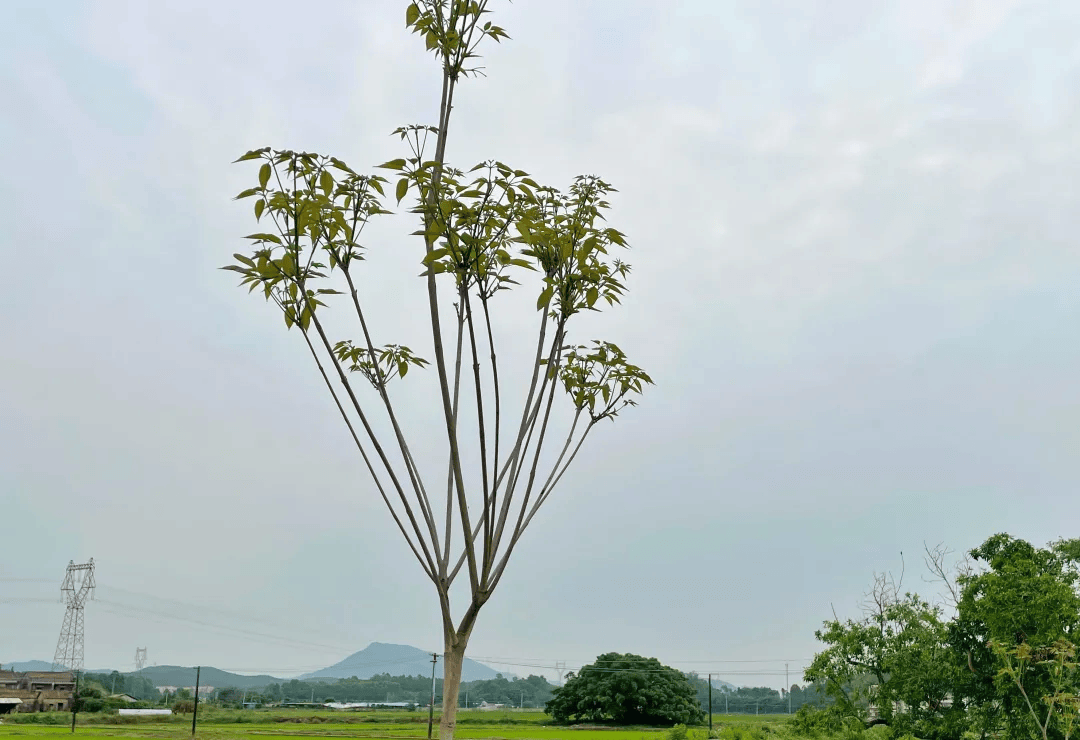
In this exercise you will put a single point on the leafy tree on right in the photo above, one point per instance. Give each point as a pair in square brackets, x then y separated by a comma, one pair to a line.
[627, 689]
[1004, 664]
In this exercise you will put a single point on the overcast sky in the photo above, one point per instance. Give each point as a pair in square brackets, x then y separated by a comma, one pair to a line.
[855, 283]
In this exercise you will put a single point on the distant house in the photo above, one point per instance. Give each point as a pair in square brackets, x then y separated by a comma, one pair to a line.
[368, 704]
[490, 707]
[203, 690]
[126, 698]
[37, 691]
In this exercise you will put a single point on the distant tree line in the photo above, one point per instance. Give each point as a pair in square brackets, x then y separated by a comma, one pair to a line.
[529, 692]
[757, 700]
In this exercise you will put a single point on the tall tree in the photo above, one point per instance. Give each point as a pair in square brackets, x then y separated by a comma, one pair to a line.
[479, 231]
[627, 689]
[1018, 605]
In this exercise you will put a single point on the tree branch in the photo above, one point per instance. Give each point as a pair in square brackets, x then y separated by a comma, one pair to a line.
[445, 106]
[488, 504]
[374, 441]
[363, 454]
[410, 465]
[450, 465]
[528, 421]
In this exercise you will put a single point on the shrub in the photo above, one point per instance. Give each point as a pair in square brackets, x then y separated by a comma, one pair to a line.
[812, 722]
[678, 732]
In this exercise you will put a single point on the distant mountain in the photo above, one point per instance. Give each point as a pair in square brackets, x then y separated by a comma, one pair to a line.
[397, 660]
[173, 675]
[28, 665]
[723, 685]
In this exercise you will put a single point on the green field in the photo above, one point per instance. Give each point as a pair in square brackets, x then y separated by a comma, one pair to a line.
[305, 724]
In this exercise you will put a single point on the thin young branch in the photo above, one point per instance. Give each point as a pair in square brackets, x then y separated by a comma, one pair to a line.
[375, 442]
[536, 456]
[548, 384]
[541, 499]
[553, 479]
[410, 466]
[461, 558]
[446, 105]
[935, 562]
[364, 455]
[498, 402]
[480, 431]
[537, 365]
[450, 465]
[528, 423]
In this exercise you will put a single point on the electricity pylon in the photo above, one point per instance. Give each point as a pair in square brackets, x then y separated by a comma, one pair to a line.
[77, 586]
[140, 659]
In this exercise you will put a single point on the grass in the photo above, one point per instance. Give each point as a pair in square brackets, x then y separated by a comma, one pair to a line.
[256, 724]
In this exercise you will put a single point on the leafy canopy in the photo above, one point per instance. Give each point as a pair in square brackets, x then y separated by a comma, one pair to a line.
[627, 689]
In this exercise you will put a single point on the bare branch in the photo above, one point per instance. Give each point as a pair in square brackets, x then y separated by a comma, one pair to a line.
[528, 428]
[375, 442]
[935, 563]
[512, 458]
[488, 504]
[541, 498]
[450, 464]
[410, 465]
[367, 461]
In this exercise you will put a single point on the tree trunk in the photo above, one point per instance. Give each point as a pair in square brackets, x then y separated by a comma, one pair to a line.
[452, 660]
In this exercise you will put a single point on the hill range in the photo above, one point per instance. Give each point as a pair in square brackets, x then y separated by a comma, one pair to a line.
[377, 658]
[397, 660]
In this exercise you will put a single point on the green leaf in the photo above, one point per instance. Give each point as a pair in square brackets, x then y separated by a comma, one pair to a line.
[264, 175]
[246, 260]
[591, 296]
[326, 181]
[411, 14]
[264, 238]
[253, 154]
[402, 188]
[431, 40]
[247, 193]
[393, 164]
[435, 254]
[260, 205]
[545, 297]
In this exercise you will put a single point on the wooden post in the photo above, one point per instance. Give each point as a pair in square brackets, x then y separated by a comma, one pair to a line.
[195, 713]
[75, 702]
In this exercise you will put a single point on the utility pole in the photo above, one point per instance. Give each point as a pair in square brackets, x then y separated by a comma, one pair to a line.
[431, 707]
[522, 704]
[788, 689]
[75, 700]
[195, 712]
[710, 704]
